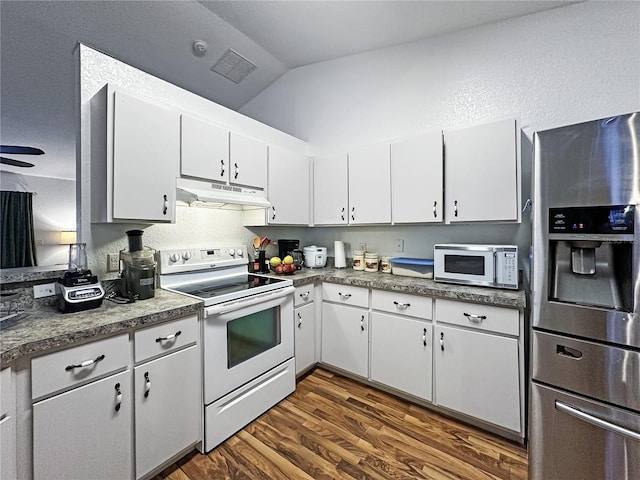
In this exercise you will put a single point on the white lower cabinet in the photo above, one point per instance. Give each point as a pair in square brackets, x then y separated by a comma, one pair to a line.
[345, 337]
[167, 403]
[477, 374]
[401, 353]
[7, 426]
[85, 432]
[305, 337]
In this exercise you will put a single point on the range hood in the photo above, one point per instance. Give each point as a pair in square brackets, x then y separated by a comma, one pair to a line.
[214, 195]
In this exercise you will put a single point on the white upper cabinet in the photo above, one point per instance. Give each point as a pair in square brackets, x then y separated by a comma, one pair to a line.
[481, 173]
[135, 151]
[204, 150]
[370, 184]
[247, 161]
[330, 189]
[288, 187]
[417, 179]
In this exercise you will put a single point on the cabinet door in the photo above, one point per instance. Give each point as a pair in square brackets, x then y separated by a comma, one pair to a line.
[330, 190]
[204, 150]
[345, 338]
[477, 374]
[417, 179]
[481, 173]
[146, 157]
[288, 187]
[247, 161]
[305, 337]
[86, 432]
[168, 406]
[401, 351]
[8, 448]
[370, 184]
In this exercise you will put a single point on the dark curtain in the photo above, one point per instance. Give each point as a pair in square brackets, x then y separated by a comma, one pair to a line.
[18, 242]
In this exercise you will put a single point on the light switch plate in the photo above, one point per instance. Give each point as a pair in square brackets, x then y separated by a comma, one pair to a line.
[113, 262]
[399, 245]
[44, 290]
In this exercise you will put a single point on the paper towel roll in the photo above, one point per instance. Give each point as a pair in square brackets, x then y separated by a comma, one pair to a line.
[338, 251]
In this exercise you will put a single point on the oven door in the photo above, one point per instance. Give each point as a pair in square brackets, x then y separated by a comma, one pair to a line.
[464, 265]
[245, 338]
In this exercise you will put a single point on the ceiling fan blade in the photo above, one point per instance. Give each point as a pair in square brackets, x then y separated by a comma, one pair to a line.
[15, 163]
[20, 150]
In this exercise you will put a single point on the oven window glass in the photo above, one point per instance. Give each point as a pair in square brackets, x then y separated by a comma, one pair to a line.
[464, 264]
[251, 335]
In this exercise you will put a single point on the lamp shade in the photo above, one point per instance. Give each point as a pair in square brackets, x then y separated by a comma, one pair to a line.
[67, 237]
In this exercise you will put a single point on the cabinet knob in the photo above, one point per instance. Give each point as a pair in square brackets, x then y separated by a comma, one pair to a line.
[147, 385]
[237, 172]
[165, 205]
[424, 337]
[455, 208]
[435, 209]
[222, 168]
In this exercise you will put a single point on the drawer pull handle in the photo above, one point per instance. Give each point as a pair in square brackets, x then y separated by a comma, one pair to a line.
[424, 337]
[169, 337]
[299, 320]
[342, 213]
[165, 205]
[222, 168]
[401, 305]
[598, 422]
[475, 318]
[237, 171]
[305, 295]
[86, 363]
[362, 324]
[345, 296]
[442, 341]
[435, 211]
[568, 352]
[118, 397]
[147, 385]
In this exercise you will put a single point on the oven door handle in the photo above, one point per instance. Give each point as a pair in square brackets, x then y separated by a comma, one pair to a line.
[598, 422]
[236, 304]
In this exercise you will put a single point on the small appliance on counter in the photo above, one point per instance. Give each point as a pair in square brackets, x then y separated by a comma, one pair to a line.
[78, 289]
[138, 269]
[287, 247]
[315, 257]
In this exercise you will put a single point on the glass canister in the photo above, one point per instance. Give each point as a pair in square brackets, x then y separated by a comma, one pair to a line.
[385, 265]
[370, 262]
[358, 260]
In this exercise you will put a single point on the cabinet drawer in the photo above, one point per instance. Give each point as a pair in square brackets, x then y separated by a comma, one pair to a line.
[166, 337]
[483, 317]
[402, 304]
[63, 369]
[346, 294]
[304, 294]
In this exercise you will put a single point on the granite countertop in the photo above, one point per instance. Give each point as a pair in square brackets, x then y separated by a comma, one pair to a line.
[46, 328]
[412, 285]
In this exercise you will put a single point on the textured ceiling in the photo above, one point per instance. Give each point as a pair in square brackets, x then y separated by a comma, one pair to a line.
[38, 38]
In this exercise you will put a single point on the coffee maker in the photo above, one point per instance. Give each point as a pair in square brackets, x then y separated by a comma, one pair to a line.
[137, 269]
[291, 247]
[78, 289]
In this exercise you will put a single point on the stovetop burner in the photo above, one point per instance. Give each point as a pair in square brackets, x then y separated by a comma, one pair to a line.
[215, 288]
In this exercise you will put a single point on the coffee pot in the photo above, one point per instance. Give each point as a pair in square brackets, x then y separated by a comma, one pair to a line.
[137, 269]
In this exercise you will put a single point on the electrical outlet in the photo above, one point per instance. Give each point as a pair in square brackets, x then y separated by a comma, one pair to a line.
[399, 245]
[45, 290]
[113, 262]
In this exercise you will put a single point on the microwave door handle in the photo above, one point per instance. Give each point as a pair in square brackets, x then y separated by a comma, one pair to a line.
[231, 306]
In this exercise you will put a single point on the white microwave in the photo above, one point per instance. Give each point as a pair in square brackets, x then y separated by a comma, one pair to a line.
[483, 265]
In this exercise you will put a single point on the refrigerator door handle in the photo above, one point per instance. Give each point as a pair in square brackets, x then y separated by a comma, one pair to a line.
[598, 422]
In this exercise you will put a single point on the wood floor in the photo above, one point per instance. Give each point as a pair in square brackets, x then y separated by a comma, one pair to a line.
[333, 427]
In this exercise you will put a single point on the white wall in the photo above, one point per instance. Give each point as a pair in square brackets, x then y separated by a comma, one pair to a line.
[561, 66]
[194, 227]
[54, 210]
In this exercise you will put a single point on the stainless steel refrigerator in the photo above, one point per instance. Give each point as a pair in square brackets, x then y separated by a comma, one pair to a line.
[585, 341]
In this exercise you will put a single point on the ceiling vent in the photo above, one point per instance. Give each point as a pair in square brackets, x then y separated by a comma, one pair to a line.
[233, 66]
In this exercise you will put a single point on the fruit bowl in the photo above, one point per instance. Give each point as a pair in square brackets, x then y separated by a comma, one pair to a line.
[283, 269]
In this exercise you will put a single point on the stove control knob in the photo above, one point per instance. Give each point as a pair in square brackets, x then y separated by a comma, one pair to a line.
[186, 256]
[239, 253]
[174, 257]
[232, 252]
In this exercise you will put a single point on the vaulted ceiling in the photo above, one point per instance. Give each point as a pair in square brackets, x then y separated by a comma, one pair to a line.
[37, 82]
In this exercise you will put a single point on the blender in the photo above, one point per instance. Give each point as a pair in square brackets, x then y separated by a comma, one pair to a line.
[78, 289]
[138, 269]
